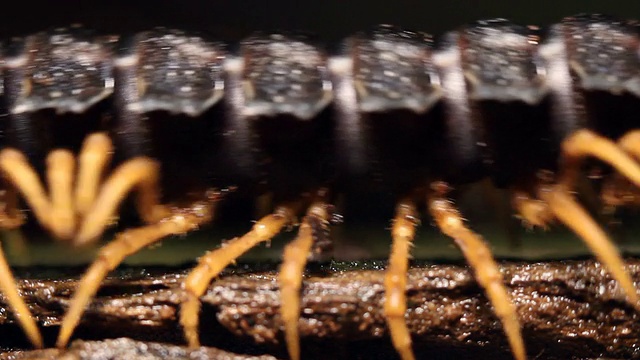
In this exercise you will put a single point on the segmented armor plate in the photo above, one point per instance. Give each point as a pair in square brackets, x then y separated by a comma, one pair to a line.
[65, 69]
[392, 69]
[177, 72]
[605, 53]
[284, 74]
[500, 62]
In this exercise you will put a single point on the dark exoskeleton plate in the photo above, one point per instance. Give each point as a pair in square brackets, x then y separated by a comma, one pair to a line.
[500, 62]
[67, 69]
[284, 74]
[392, 69]
[604, 52]
[176, 72]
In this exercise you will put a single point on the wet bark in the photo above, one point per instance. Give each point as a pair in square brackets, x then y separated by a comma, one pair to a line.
[568, 309]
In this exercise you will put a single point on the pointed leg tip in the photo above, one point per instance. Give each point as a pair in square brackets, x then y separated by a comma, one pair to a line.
[66, 330]
[292, 340]
[520, 356]
[192, 340]
[632, 298]
[517, 346]
[61, 343]
[64, 231]
[37, 341]
[98, 137]
[10, 153]
[83, 237]
[294, 355]
[480, 259]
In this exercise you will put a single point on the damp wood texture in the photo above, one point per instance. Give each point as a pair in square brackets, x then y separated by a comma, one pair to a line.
[568, 309]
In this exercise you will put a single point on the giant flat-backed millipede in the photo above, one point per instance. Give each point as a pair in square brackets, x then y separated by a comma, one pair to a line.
[390, 113]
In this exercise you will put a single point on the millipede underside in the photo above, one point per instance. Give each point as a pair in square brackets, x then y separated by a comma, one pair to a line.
[394, 144]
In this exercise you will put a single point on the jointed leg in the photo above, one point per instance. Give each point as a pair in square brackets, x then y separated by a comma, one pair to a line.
[10, 216]
[567, 210]
[585, 143]
[60, 175]
[630, 143]
[20, 309]
[24, 179]
[478, 254]
[59, 213]
[125, 244]
[558, 203]
[141, 172]
[534, 212]
[211, 264]
[395, 280]
[617, 190]
[92, 161]
[95, 210]
[291, 271]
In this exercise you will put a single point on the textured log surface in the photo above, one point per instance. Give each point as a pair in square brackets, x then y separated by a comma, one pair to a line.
[126, 349]
[569, 309]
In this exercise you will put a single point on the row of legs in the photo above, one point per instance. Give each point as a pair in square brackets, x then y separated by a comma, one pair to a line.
[80, 205]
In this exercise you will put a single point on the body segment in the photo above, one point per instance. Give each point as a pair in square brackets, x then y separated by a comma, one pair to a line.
[392, 118]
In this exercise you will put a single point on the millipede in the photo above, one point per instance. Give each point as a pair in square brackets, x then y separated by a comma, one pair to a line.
[390, 114]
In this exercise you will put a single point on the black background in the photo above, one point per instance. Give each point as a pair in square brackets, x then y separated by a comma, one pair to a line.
[232, 20]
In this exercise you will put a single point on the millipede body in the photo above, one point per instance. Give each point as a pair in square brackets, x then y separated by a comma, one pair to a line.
[390, 119]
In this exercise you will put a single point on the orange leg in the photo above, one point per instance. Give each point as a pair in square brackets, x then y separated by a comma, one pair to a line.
[395, 280]
[533, 212]
[93, 160]
[15, 302]
[94, 210]
[181, 221]
[24, 179]
[585, 143]
[60, 175]
[211, 264]
[10, 216]
[630, 143]
[618, 191]
[141, 172]
[291, 271]
[565, 208]
[59, 214]
[478, 254]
